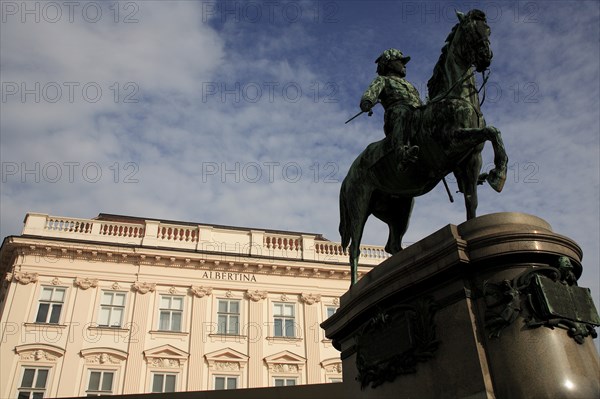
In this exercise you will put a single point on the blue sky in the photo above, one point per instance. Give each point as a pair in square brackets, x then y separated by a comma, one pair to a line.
[233, 112]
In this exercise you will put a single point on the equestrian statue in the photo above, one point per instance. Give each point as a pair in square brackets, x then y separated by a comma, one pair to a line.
[424, 142]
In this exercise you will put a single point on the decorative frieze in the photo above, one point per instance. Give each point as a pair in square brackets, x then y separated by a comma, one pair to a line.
[26, 277]
[284, 368]
[162, 362]
[102, 358]
[255, 295]
[143, 288]
[226, 366]
[310, 299]
[37, 355]
[200, 291]
[86, 282]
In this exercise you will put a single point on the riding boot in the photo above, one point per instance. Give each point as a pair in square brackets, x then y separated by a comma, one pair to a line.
[408, 155]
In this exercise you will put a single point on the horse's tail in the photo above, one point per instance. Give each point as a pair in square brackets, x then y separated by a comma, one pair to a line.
[344, 217]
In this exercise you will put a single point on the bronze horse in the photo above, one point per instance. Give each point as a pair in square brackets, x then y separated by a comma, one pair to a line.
[450, 131]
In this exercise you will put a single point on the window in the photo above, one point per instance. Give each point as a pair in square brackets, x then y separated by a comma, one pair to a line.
[100, 383]
[283, 317]
[163, 382]
[284, 382]
[331, 310]
[33, 384]
[170, 313]
[51, 303]
[228, 317]
[112, 307]
[226, 382]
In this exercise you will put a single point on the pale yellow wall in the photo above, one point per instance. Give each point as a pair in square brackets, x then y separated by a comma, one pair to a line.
[75, 346]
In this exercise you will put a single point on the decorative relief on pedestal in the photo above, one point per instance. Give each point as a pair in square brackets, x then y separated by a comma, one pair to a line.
[310, 299]
[550, 297]
[200, 291]
[255, 295]
[143, 288]
[26, 277]
[394, 341]
[86, 282]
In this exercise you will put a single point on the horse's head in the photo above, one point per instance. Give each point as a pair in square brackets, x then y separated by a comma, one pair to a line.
[475, 43]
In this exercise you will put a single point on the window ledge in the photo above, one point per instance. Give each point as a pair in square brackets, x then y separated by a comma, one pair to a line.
[170, 334]
[46, 325]
[284, 339]
[108, 328]
[228, 337]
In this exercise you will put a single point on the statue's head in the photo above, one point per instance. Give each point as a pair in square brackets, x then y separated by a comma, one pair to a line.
[475, 27]
[387, 57]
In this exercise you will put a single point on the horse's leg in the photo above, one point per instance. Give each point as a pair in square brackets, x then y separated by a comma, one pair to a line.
[470, 137]
[395, 211]
[467, 176]
[360, 211]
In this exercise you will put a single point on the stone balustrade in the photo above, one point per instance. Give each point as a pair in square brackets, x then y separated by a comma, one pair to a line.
[205, 238]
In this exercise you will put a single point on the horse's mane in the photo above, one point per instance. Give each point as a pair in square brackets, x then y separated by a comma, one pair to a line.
[436, 83]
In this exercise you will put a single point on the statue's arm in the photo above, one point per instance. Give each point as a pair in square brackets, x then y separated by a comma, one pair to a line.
[371, 95]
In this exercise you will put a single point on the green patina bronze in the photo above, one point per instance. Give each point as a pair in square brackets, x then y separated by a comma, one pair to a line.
[423, 143]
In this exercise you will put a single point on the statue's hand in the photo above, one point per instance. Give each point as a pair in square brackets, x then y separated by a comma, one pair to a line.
[366, 106]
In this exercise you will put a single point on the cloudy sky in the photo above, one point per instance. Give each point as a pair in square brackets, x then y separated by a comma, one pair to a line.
[232, 112]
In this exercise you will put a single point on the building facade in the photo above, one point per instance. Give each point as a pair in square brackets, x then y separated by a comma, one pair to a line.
[119, 305]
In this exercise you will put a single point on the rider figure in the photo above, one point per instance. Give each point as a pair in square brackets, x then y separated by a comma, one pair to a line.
[398, 97]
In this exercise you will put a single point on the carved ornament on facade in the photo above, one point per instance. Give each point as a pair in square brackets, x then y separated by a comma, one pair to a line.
[37, 355]
[116, 286]
[200, 291]
[334, 368]
[102, 358]
[172, 290]
[8, 277]
[227, 366]
[284, 368]
[55, 281]
[336, 301]
[229, 294]
[164, 362]
[86, 282]
[26, 277]
[310, 299]
[284, 298]
[143, 288]
[256, 295]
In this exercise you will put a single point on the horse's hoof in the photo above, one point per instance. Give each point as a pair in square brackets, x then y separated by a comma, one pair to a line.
[496, 180]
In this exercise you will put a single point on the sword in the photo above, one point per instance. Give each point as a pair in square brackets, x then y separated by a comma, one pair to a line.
[362, 112]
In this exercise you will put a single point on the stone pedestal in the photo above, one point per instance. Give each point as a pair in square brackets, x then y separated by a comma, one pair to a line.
[486, 309]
